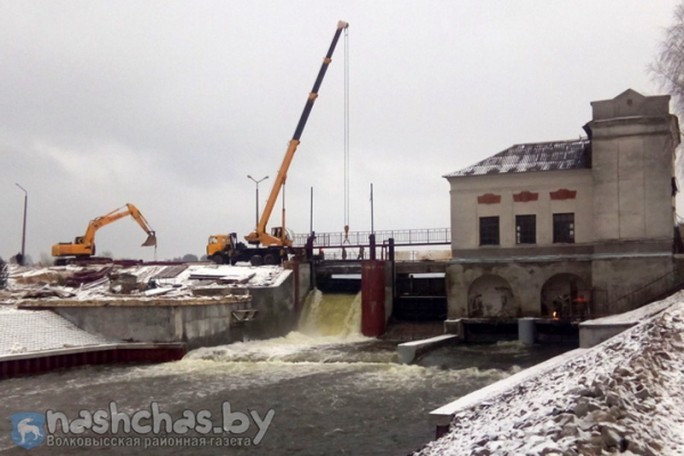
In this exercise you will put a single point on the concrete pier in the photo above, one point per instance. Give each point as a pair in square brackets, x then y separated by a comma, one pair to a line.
[527, 331]
[409, 351]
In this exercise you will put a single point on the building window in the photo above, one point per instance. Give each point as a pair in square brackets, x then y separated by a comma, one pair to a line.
[525, 229]
[489, 230]
[564, 228]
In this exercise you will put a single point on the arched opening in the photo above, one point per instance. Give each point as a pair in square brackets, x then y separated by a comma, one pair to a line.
[490, 296]
[565, 295]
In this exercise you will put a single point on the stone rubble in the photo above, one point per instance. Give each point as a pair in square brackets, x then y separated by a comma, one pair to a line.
[140, 281]
[624, 396]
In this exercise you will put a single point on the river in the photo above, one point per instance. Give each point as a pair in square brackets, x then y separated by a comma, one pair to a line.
[326, 388]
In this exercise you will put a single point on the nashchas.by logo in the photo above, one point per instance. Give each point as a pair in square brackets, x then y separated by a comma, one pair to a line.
[150, 426]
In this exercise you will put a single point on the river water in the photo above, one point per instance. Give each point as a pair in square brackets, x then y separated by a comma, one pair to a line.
[326, 388]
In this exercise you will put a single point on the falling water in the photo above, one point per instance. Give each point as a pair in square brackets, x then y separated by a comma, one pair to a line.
[331, 314]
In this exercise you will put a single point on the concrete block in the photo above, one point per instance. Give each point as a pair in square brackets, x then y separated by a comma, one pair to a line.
[408, 351]
[591, 335]
[454, 327]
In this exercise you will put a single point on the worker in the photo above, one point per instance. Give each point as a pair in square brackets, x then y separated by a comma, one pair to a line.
[309, 245]
[582, 306]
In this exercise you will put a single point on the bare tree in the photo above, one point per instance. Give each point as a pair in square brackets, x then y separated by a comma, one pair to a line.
[668, 70]
[668, 67]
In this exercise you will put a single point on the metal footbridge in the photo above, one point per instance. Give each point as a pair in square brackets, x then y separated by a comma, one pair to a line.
[402, 238]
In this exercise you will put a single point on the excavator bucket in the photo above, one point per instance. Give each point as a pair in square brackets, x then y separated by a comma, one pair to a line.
[151, 239]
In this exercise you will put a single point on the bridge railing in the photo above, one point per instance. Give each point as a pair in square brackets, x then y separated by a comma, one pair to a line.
[427, 236]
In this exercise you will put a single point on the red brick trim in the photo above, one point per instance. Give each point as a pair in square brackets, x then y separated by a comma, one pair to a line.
[525, 196]
[489, 198]
[563, 194]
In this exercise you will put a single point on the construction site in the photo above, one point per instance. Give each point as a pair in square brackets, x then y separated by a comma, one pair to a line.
[129, 310]
[560, 256]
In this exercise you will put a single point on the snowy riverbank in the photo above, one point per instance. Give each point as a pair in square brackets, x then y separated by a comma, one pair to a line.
[624, 395]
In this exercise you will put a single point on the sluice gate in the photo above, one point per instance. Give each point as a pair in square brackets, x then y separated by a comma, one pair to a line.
[396, 291]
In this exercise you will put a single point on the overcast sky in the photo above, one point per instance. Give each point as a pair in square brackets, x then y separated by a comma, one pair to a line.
[171, 104]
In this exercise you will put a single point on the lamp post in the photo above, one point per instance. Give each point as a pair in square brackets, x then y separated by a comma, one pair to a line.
[257, 182]
[23, 229]
[371, 209]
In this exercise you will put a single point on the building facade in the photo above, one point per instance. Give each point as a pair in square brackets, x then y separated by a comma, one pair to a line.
[569, 228]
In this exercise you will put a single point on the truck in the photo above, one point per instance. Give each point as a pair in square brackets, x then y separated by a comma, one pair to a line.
[226, 249]
[271, 247]
[83, 247]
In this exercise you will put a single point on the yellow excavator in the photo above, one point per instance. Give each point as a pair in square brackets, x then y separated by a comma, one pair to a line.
[84, 246]
[266, 247]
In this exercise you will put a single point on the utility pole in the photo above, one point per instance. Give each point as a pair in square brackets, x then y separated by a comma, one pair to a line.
[257, 182]
[311, 211]
[371, 238]
[23, 229]
[371, 208]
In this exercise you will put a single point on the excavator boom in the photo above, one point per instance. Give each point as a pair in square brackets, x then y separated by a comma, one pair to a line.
[138, 217]
[260, 236]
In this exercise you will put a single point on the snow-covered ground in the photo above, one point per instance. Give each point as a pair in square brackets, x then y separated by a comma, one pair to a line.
[624, 396]
[26, 331]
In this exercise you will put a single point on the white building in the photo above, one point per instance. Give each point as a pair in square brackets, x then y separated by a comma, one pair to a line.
[570, 227]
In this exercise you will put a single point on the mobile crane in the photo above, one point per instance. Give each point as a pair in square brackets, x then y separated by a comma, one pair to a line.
[269, 248]
[84, 246]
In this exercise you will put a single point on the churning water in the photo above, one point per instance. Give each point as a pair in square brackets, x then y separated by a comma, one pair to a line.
[332, 390]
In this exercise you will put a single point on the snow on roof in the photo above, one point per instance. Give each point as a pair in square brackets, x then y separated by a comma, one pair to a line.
[523, 158]
[623, 395]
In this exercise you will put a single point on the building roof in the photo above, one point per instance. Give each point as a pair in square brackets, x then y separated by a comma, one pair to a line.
[523, 158]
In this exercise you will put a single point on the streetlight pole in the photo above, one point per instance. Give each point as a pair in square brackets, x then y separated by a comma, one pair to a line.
[23, 229]
[371, 208]
[257, 182]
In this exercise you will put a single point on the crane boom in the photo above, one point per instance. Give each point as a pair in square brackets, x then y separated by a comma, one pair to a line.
[260, 236]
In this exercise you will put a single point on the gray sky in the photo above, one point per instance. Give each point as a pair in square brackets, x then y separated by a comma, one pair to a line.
[171, 104]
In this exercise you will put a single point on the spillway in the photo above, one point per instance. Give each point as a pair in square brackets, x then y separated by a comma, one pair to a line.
[330, 388]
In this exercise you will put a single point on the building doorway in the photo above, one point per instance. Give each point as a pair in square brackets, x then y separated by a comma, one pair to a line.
[565, 295]
[491, 296]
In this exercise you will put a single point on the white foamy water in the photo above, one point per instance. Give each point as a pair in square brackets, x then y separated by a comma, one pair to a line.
[329, 331]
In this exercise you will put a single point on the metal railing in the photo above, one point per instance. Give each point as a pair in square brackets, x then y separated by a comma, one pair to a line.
[648, 292]
[427, 236]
